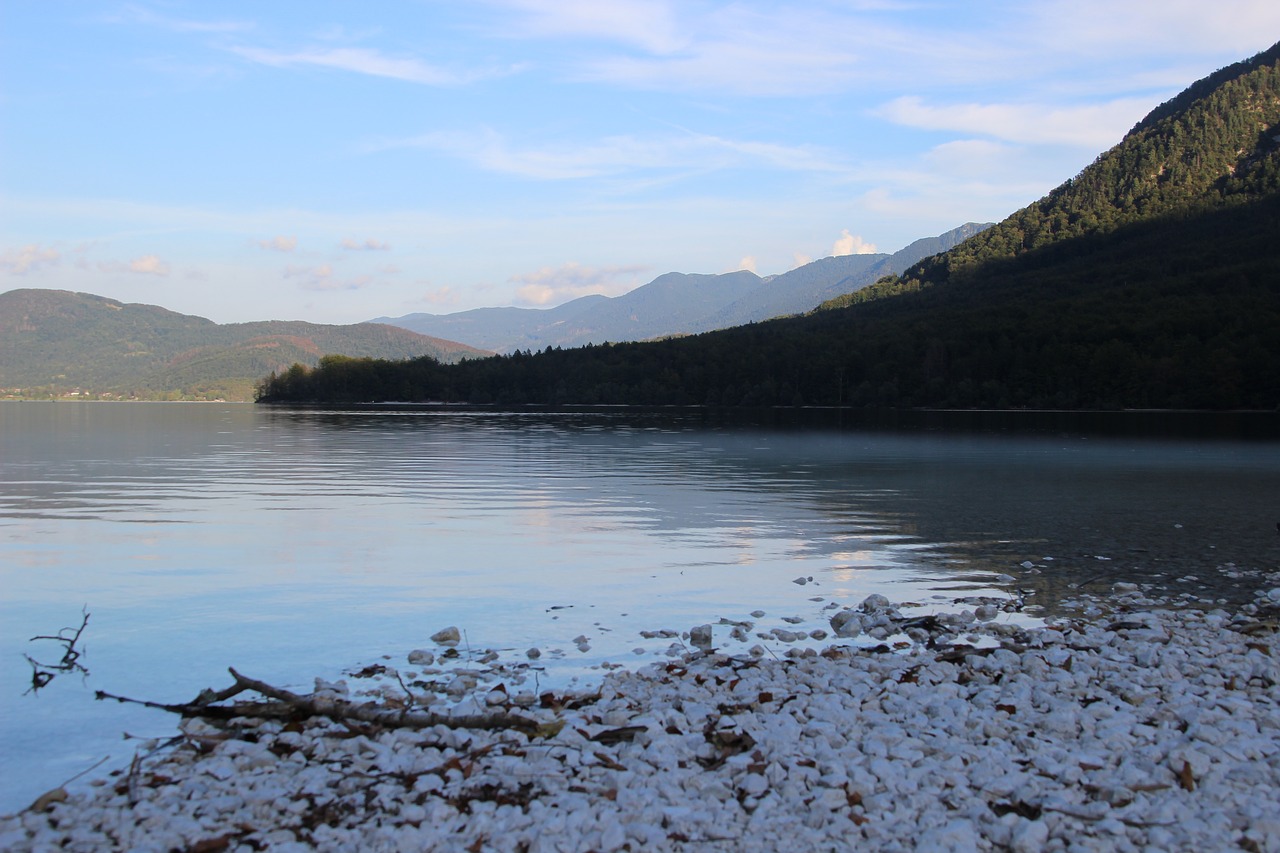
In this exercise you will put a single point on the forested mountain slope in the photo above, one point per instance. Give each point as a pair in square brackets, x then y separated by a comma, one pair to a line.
[1213, 145]
[1150, 280]
[54, 342]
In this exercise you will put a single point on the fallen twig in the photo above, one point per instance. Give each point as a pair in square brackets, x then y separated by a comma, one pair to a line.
[285, 704]
[43, 673]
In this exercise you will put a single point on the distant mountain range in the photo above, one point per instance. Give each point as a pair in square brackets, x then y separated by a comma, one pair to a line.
[1149, 280]
[676, 303]
[56, 343]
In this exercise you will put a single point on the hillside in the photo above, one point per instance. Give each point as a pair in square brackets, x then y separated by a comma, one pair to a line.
[1150, 280]
[54, 342]
[675, 303]
[1213, 145]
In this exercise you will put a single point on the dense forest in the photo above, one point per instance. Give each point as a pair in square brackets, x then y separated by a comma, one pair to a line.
[1150, 280]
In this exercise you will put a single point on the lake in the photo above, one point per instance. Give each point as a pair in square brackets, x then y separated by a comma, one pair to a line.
[294, 543]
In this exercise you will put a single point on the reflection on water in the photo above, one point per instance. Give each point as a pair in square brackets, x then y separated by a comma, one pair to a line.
[299, 543]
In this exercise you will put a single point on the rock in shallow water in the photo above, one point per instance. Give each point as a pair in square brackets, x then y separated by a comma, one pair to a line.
[874, 603]
[700, 636]
[846, 623]
[447, 636]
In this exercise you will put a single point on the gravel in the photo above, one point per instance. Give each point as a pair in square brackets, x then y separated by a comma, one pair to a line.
[1137, 727]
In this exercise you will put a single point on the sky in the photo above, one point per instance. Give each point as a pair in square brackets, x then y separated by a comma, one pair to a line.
[339, 161]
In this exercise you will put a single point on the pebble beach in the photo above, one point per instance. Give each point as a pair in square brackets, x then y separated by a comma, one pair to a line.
[1135, 723]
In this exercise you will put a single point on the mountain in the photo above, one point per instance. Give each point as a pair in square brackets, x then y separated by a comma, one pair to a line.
[803, 288]
[1149, 280]
[55, 342]
[1211, 146]
[675, 303]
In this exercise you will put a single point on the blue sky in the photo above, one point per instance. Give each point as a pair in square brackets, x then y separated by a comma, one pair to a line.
[335, 162]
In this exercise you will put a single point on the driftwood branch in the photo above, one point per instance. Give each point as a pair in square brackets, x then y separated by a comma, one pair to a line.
[286, 705]
[43, 673]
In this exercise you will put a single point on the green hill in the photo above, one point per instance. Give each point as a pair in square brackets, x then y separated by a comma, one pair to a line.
[1150, 280]
[57, 343]
[1212, 146]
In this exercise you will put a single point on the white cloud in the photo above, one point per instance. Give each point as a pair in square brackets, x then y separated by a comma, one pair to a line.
[361, 61]
[323, 271]
[359, 282]
[369, 245]
[852, 244]
[791, 158]
[744, 48]
[1099, 27]
[553, 285]
[144, 265]
[311, 278]
[145, 16]
[1092, 126]
[441, 296]
[27, 259]
[148, 265]
[490, 151]
[339, 33]
[757, 48]
[764, 69]
[799, 259]
[748, 263]
[280, 243]
[613, 155]
[966, 156]
[322, 278]
[642, 23]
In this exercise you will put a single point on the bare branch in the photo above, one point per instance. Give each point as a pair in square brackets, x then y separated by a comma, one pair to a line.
[287, 705]
[43, 673]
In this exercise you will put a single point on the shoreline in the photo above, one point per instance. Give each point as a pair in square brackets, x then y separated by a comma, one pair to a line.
[1129, 727]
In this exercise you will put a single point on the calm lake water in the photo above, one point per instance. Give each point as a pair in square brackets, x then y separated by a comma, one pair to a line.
[300, 543]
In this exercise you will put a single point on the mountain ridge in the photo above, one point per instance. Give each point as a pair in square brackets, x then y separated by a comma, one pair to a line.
[675, 303]
[59, 342]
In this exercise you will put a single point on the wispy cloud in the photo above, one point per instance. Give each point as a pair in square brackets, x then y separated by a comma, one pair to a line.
[651, 26]
[762, 67]
[1180, 27]
[369, 245]
[322, 278]
[141, 15]
[363, 61]
[1094, 126]
[739, 47]
[28, 258]
[148, 265]
[280, 243]
[144, 265]
[441, 296]
[569, 281]
[752, 48]
[311, 278]
[616, 155]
